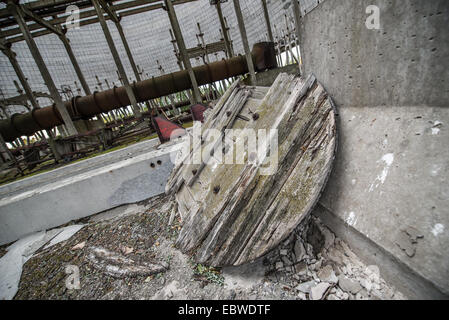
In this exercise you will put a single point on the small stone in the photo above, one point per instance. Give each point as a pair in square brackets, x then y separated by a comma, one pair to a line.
[126, 250]
[366, 284]
[348, 285]
[305, 286]
[286, 261]
[317, 292]
[299, 250]
[359, 296]
[279, 265]
[169, 294]
[302, 296]
[329, 237]
[79, 246]
[327, 274]
[283, 252]
[332, 297]
[301, 268]
[373, 274]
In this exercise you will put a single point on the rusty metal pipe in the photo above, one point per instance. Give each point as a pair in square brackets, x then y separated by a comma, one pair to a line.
[85, 107]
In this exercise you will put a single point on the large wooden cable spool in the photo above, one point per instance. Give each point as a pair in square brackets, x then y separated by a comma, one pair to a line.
[235, 213]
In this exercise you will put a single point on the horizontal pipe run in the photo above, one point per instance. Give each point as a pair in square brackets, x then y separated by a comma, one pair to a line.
[85, 107]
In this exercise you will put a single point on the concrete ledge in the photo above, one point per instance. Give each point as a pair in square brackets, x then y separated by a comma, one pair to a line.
[92, 191]
[74, 168]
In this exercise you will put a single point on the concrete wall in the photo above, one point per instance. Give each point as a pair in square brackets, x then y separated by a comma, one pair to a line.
[391, 87]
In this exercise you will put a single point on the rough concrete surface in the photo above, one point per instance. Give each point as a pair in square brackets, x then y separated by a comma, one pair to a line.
[390, 87]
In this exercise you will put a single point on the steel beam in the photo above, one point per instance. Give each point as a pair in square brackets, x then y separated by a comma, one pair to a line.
[74, 62]
[30, 95]
[42, 22]
[116, 57]
[23, 80]
[297, 15]
[241, 23]
[224, 30]
[129, 8]
[182, 49]
[267, 20]
[18, 15]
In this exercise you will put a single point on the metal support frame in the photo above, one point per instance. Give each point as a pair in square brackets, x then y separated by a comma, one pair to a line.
[59, 17]
[5, 150]
[26, 86]
[241, 23]
[267, 20]
[297, 15]
[224, 30]
[182, 49]
[116, 57]
[29, 93]
[116, 18]
[16, 10]
[75, 64]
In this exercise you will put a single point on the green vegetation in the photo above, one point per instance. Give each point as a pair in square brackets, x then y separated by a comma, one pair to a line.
[208, 273]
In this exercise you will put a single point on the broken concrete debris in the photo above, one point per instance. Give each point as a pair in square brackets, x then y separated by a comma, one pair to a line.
[318, 291]
[306, 286]
[327, 274]
[331, 272]
[44, 274]
[233, 214]
[348, 285]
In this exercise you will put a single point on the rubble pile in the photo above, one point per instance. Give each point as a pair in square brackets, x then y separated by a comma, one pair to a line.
[130, 254]
[315, 265]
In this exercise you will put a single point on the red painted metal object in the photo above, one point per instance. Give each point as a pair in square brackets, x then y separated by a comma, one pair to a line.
[167, 129]
[198, 111]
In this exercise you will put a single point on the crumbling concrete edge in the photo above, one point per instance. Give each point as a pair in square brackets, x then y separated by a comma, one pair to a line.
[411, 284]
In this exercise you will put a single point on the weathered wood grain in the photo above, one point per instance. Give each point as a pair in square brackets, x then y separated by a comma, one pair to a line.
[233, 214]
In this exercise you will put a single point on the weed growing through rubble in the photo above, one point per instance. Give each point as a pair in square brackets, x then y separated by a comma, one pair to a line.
[209, 273]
